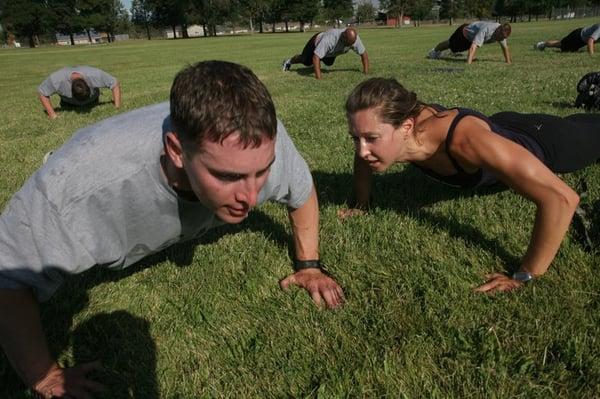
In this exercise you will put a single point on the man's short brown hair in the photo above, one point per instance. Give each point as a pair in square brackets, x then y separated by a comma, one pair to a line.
[80, 90]
[211, 100]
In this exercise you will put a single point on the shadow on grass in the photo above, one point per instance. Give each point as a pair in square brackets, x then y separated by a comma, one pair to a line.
[83, 109]
[561, 104]
[309, 71]
[121, 341]
[410, 193]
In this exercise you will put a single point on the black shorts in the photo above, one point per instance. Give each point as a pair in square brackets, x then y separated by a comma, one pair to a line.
[569, 144]
[572, 42]
[309, 51]
[458, 41]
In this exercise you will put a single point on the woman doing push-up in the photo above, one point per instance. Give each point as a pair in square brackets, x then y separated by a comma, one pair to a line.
[462, 147]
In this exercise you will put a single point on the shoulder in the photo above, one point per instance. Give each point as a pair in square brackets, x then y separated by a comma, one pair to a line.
[470, 132]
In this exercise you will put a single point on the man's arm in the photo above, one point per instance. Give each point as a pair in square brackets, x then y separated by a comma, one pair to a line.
[364, 58]
[471, 55]
[590, 46]
[305, 231]
[506, 53]
[317, 66]
[47, 106]
[23, 341]
[116, 93]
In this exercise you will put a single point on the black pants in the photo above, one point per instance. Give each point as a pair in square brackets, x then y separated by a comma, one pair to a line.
[569, 143]
[458, 41]
[572, 42]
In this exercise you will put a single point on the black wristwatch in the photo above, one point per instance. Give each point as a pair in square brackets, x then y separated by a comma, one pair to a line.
[522, 276]
[307, 264]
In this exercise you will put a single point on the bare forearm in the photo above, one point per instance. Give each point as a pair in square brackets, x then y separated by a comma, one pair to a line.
[22, 337]
[590, 46]
[364, 58]
[116, 91]
[552, 221]
[362, 183]
[47, 106]
[471, 54]
[317, 66]
[305, 228]
[506, 53]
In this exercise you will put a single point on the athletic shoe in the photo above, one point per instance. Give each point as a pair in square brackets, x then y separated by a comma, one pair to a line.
[433, 54]
[539, 46]
[286, 65]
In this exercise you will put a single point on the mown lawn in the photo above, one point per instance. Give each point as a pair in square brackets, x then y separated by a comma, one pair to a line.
[207, 319]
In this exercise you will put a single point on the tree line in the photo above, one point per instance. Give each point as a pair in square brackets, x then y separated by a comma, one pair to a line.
[33, 18]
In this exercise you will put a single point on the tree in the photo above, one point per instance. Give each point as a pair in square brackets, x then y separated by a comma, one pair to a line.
[419, 10]
[66, 18]
[365, 12]
[396, 8]
[25, 18]
[303, 11]
[255, 10]
[170, 13]
[336, 10]
[451, 9]
[141, 15]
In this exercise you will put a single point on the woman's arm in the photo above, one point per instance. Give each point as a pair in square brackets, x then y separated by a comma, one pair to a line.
[475, 145]
[361, 189]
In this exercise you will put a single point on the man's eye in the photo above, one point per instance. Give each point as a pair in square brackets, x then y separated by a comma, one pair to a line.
[371, 139]
[228, 177]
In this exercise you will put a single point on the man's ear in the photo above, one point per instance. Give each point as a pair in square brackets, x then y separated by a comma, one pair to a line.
[174, 149]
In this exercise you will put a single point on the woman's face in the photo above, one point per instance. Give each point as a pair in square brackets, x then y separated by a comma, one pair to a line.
[376, 142]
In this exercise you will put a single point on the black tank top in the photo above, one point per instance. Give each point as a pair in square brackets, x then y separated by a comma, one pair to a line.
[481, 177]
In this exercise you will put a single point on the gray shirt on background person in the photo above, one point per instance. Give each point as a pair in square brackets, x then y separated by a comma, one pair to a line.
[481, 32]
[591, 32]
[330, 44]
[102, 199]
[60, 82]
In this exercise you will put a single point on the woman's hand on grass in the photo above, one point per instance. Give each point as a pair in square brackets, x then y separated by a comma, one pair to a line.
[498, 282]
[345, 213]
[319, 285]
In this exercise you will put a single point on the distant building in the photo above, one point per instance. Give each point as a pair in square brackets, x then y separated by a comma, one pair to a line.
[78, 38]
[192, 30]
[392, 20]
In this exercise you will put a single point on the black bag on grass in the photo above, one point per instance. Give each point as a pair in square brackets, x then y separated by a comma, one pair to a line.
[588, 90]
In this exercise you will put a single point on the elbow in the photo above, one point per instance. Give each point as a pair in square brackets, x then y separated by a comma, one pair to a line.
[569, 199]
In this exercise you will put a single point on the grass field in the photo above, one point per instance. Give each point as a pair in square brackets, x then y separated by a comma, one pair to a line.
[207, 319]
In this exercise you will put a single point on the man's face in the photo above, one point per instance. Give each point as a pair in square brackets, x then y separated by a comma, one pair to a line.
[226, 177]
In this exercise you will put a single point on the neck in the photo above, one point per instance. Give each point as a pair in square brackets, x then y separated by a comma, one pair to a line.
[425, 142]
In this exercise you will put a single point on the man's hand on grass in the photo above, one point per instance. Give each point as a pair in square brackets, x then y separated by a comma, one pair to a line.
[71, 382]
[320, 286]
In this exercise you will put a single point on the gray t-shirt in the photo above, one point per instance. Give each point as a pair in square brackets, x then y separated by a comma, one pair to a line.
[481, 32]
[330, 44]
[60, 82]
[101, 199]
[591, 32]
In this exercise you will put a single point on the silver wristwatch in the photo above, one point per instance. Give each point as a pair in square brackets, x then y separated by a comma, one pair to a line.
[522, 276]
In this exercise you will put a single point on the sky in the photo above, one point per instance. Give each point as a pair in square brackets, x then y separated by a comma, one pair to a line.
[126, 4]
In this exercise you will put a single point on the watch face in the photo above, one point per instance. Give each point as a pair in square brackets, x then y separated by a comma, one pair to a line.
[522, 276]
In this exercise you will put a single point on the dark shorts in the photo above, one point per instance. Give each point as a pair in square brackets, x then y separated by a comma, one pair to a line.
[458, 41]
[309, 51]
[569, 144]
[572, 42]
